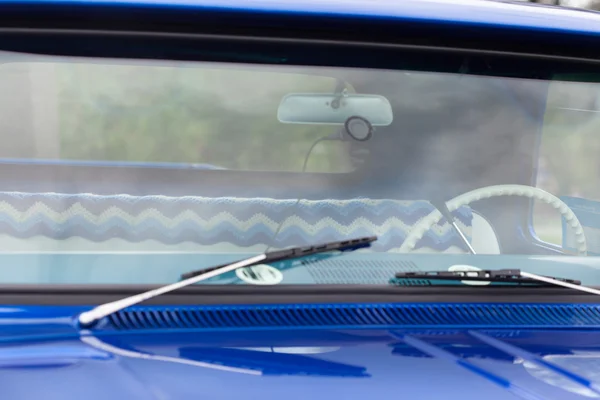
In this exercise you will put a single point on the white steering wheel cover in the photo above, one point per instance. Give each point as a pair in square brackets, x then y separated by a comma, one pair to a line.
[495, 191]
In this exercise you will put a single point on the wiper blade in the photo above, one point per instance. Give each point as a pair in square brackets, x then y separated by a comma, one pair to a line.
[506, 276]
[515, 276]
[297, 252]
[94, 315]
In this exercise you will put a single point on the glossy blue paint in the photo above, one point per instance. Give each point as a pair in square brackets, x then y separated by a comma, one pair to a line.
[351, 315]
[467, 12]
[293, 364]
[43, 354]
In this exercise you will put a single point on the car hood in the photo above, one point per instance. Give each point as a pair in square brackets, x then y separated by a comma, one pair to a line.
[299, 364]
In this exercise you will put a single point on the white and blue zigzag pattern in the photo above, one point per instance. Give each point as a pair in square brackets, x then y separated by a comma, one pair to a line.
[240, 221]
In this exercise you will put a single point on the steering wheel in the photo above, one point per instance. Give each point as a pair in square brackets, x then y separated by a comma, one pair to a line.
[495, 191]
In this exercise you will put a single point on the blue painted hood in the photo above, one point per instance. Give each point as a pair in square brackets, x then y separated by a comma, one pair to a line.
[294, 364]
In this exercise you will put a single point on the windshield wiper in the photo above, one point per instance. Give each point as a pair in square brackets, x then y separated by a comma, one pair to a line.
[514, 276]
[297, 252]
[507, 276]
[94, 315]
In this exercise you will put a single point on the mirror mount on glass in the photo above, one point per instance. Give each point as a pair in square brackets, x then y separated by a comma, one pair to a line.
[339, 96]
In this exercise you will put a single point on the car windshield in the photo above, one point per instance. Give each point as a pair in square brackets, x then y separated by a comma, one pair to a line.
[136, 171]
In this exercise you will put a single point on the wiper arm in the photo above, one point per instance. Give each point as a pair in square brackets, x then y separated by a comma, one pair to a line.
[515, 276]
[94, 315]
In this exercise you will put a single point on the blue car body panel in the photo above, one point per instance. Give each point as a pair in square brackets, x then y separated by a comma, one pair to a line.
[45, 355]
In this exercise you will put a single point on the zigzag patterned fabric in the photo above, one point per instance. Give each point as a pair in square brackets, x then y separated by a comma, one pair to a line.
[242, 222]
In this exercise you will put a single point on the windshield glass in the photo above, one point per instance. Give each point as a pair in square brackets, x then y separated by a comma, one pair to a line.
[131, 171]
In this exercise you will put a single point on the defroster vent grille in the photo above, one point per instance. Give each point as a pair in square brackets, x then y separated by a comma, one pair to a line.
[356, 272]
[421, 315]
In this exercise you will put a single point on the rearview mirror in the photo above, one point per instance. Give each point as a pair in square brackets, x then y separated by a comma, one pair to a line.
[334, 109]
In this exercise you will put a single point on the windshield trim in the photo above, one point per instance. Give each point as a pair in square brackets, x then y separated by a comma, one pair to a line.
[71, 295]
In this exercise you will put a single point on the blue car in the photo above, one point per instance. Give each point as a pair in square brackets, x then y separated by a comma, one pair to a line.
[254, 199]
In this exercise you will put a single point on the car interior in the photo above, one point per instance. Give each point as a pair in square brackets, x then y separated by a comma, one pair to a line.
[472, 131]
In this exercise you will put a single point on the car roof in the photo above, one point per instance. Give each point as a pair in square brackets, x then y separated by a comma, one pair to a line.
[484, 13]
